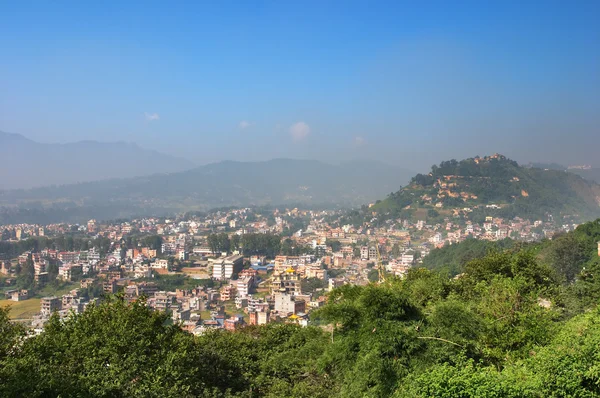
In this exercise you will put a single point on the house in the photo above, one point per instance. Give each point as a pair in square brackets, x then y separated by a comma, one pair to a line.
[234, 323]
[17, 295]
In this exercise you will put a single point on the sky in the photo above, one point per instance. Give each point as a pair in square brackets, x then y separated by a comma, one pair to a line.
[407, 83]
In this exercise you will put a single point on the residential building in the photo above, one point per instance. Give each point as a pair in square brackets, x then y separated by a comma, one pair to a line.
[50, 305]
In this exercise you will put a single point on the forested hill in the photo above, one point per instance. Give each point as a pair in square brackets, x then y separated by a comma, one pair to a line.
[494, 185]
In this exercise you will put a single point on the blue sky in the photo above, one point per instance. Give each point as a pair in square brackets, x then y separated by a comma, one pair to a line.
[409, 83]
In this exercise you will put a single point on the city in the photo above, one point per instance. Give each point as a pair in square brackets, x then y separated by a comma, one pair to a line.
[225, 275]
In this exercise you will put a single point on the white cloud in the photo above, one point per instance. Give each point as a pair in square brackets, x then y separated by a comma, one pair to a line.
[299, 131]
[151, 116]
[358, 141]
[244, 124]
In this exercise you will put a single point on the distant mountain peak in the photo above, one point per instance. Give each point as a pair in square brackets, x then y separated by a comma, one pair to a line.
[42, 164]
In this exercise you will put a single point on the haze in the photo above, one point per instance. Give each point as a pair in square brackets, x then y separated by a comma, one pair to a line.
[408, 84]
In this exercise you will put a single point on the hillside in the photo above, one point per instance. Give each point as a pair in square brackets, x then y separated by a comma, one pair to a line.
[493, 185]
[587, 172]
[228, 183]
[28, 164]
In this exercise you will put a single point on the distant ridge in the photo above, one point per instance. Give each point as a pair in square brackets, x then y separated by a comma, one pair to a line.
[228, 183]
[27, 164]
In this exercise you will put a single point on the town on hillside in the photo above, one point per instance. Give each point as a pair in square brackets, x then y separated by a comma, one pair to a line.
[223, 269]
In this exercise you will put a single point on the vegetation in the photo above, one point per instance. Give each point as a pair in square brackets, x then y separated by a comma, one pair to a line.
[529, 193]
[516, 323]
[451, 259]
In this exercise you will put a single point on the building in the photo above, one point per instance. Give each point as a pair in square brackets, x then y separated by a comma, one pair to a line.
[182, 255]
[407, 259]
[93, 255]
[39, 267]
[18, 295]
[227, 293]
[372, 253]
[41, 278]
[315, 271]
[110, 286]
[333, 283]
[68, 257]
[180, 315]
[287, 304]
[50, 305]
[163, 301]
[364, 253]
[160, 264]
[233, 323]
[5, 267]
[286, 282]
[69, 271]
[259, 317]
[244, 286]
[227, 267]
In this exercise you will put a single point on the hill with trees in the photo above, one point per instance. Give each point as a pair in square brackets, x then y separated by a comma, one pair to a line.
[515, 323]
[493, 185]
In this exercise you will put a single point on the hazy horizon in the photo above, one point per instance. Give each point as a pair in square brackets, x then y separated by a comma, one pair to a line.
[408, 85]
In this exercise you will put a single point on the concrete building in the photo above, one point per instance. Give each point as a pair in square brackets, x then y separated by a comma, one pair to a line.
[227, 267]
[244, 286]
[286, 282]
[286, 304]
[50, 305]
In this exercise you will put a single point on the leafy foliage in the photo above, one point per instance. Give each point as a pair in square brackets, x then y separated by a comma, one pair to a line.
[511, 325]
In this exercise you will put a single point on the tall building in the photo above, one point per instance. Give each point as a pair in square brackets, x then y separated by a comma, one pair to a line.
[227, 267]
[286, 282]
[50, 305]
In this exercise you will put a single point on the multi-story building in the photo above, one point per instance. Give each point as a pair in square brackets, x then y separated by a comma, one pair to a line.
[364, 252]
[286, 282]
[244, 286]
[227, 293]
[287, 304]
[372, 253]
[50, 305]
[227, 267]
[68, 257]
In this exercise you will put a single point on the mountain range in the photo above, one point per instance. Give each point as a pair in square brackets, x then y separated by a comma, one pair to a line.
[493, 186]
[227, 183]
[27, 164]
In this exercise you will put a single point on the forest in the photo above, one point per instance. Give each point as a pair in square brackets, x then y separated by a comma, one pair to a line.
[517, 322]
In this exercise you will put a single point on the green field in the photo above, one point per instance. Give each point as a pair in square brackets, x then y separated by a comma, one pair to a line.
[58, 289]
[22, 309]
